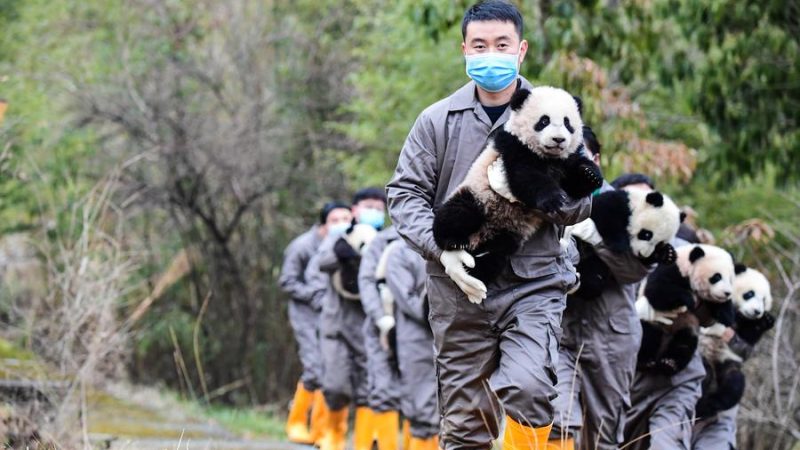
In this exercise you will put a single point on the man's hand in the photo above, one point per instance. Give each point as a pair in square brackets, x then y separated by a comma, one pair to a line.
[385, 325]
[455, 263]
[586, 231]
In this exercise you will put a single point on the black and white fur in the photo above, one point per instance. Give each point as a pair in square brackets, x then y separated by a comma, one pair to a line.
[698, 289]
[637, 222]
[540, 151]
[345, 279]
[724, 384]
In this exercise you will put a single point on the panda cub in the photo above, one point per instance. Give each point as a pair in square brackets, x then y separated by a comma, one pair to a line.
[635, 221]
[724, 384]
[676, 299]
[541, 157]
[348, 250]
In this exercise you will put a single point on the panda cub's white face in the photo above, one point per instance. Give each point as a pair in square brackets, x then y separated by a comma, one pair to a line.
[751, 294]
[359, 236]
[548, 122]
[655, 219]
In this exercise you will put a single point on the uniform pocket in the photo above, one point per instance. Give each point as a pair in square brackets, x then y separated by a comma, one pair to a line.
[443, 297]
[620, 324]
[534, 267]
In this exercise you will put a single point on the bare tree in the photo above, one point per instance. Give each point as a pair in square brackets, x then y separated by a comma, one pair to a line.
[219, 116]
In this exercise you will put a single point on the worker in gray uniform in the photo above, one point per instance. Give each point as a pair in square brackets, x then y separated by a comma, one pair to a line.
[406, 281]
[383, 380]
[304, 308]
[597, 357]
[341, 325]
[503, 345]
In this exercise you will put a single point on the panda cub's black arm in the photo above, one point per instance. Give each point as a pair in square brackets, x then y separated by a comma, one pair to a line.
[457, 219]
[581, 175]
[729, 392]
[752, 330]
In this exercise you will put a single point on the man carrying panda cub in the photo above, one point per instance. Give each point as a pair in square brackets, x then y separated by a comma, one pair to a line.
[628, 231]
[495, 338]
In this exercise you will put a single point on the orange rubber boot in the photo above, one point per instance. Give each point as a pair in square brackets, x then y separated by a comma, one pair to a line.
[521, 437]
[335, 433]
[296, 423]
[561, 444]
[406, 434]
[363, 429]
[319, 417]
[431, 443]
[386, 426]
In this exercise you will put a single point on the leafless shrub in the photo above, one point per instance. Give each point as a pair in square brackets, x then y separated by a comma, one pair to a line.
[769, 416]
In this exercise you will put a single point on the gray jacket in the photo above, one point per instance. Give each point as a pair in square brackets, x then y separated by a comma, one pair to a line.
[406, 281]
[339, 315]
[368, 289]
[295, 261]
[445, 140]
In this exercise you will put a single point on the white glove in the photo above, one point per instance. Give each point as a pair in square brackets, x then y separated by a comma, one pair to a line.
[498, 180]
[646, 312]
[454, 262]
[385, 325]
[586, 231]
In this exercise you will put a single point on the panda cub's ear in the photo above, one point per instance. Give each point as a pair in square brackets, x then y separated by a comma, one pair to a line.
[655, 198]
[696, 254]
[739, 268]
[518, 99]
[579, 102]
[683, 216]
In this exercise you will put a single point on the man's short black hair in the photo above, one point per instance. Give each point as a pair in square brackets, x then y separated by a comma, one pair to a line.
[492, 10]
[628, 179]
[370, 193]
[590, 140]
[330, 206]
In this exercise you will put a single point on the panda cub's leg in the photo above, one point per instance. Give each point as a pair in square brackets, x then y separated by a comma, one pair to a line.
[492, 257]
[457, 219]
[581, 176]
[652, 336]
[729, 392]
[679, 352]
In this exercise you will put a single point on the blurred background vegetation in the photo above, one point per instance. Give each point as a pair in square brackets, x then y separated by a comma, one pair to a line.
[196, 138]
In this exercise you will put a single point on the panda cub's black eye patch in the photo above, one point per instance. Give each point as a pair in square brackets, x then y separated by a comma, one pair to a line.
[645, 235]
[543, 122]
[715, 278]
[748, 295]
[568, 125]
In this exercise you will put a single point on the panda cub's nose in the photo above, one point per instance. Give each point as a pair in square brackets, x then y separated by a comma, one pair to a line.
[727, 293]
[757, 312]
[559, 139]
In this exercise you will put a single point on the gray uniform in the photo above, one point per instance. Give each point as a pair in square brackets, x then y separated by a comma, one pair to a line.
[663, 406]
[304, 305]
[507, 344]
[597, 357]
[384, 385]
[716, 433]
[407, 281]
[341, 329]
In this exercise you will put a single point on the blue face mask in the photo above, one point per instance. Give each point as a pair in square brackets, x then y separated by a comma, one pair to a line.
[493, 72]
[372, 217]
[338, 229]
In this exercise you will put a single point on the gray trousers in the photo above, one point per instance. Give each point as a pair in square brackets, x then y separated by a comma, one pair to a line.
[345, 367]
[596, 365]
[419, 387]
[305, 324]
[662, 409]
[500, 352]
[716, 433]
[383, 381]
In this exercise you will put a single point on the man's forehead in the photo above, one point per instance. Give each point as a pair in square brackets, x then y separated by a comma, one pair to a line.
[491, 30]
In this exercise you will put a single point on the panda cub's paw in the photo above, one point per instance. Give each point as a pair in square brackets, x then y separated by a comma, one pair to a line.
[663, 254]
[665, 366]
[550, 202]
[592, 175]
